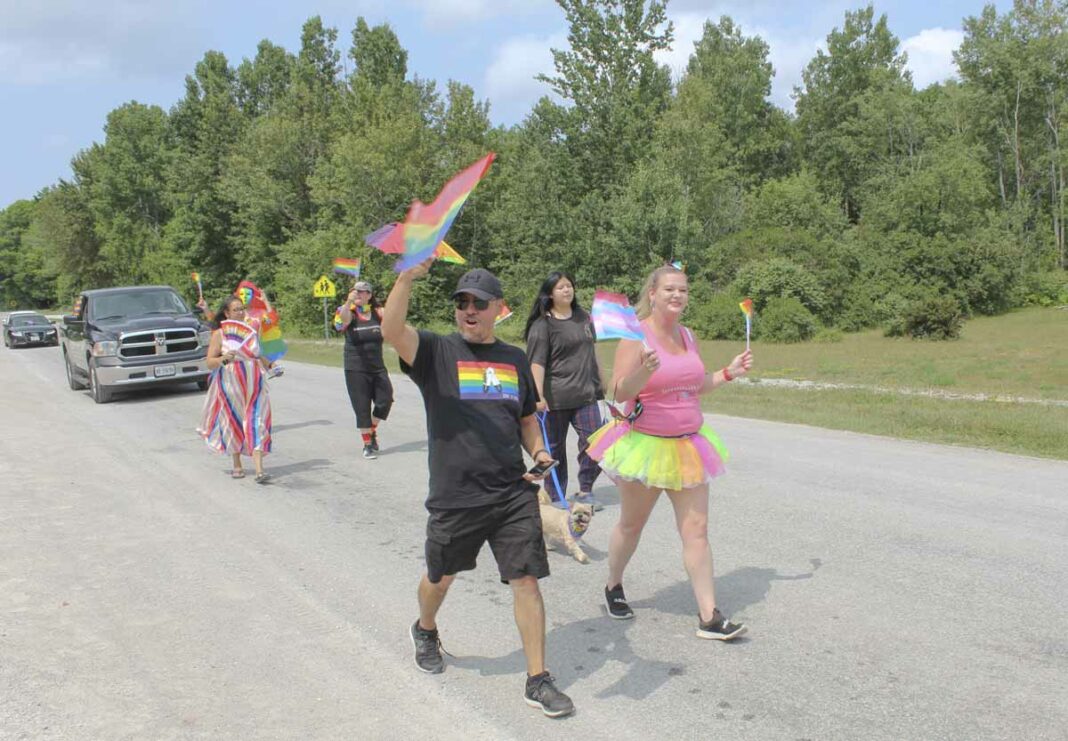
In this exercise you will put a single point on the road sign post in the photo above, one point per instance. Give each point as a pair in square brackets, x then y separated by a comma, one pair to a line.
[324, 288]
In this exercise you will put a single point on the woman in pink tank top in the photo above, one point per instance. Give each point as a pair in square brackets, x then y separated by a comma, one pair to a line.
[663, 444]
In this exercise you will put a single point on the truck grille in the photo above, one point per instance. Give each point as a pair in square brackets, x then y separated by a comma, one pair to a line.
[158, 342]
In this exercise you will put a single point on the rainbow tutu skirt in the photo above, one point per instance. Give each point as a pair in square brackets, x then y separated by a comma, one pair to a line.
[660, 462]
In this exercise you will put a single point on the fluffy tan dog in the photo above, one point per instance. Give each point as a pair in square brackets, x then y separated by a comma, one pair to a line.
[557, 525]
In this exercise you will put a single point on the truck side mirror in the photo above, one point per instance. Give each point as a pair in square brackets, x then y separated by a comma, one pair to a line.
[69, 319]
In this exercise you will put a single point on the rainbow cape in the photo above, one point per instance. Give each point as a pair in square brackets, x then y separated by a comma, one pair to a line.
[614, 318]
[347, 266]
[264, 315]
[425, 227]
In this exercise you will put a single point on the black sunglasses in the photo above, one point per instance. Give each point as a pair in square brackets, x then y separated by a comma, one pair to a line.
[480, 303]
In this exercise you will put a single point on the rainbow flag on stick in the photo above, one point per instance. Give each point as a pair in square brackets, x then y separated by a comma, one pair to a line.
[747, 308]
[200, 288]
[503, 314]
[425, 227]
[347, 266]
[614, 318]
[380, 240]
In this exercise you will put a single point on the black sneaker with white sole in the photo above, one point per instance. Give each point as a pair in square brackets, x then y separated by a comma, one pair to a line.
[616, 602]
[542, 693]
[427, 645]
[719, 628]
[369, 452]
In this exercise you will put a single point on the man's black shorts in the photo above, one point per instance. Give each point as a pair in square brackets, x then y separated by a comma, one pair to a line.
[513, 529]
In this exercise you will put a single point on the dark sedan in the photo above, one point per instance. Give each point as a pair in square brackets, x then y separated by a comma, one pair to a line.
[25, 328]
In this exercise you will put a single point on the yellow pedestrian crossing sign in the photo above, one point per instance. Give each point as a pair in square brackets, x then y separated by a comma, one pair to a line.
[324, 288]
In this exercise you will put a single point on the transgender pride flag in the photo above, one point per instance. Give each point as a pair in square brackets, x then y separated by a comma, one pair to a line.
[614, 319]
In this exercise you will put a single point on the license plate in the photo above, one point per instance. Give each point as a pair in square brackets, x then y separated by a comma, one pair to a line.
[163, 371]
[35, 337]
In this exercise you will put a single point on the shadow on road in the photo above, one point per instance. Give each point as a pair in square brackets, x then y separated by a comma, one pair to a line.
[298, 425]
[594, 642]
[412, 447]
[735, 591]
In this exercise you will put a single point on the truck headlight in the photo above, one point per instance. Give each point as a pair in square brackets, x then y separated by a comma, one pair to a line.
[204, 337]
[105, 349]
[16, 334]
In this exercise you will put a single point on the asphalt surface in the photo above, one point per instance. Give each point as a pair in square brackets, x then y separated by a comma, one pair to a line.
[894, 590]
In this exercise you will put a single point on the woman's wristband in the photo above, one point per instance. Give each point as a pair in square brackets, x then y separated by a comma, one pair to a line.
[726, 374]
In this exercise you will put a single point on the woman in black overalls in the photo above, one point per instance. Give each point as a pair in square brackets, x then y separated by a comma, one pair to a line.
[370, 390]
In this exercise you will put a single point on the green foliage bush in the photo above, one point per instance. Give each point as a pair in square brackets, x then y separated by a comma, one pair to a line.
[717, 318]
[1043, 289]
[829, 335]
[786, 320]
[933, 318]
[779, 278]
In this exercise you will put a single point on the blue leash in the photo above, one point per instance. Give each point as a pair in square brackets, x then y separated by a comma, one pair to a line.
[545, 439]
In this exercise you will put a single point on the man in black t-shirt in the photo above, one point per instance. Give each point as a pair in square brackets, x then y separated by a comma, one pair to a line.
[480, 400]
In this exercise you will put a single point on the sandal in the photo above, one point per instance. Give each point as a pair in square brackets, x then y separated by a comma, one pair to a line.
[263, 478]
[237, 473]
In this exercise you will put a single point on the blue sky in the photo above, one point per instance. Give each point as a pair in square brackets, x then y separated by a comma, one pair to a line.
[64, 64]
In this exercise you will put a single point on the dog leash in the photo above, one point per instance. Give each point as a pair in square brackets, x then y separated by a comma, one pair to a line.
[545, 439]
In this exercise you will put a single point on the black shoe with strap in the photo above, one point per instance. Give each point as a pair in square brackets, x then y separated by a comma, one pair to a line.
[427, 645]
[719, 628]
[616, 602]
[541, 693]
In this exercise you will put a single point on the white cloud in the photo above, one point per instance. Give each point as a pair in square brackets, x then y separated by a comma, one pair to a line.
[931, 55]
[53, 41]
[509, 79]
[452, 12]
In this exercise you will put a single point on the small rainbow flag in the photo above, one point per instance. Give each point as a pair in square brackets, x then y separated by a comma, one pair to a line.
[747, 308]
[503, 314]
[614, 318]
[425, 227]
[445, 253]
[200, 288]
[347, 266]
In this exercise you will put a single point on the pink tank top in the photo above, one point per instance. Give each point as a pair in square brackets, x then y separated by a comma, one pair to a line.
[671, 402]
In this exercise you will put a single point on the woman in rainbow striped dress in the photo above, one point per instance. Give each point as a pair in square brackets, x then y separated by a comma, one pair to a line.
[237, 411]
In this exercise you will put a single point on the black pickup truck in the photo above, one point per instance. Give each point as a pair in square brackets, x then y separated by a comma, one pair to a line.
[136, 337]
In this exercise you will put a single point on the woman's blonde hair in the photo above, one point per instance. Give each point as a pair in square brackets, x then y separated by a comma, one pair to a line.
[645, 306]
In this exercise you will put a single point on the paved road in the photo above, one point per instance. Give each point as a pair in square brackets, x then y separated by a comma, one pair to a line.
[894, 589]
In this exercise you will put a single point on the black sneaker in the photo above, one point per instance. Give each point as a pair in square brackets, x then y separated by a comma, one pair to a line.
[616, 602]
[369, 452]
[719, 628]
[374, 440]
[427, 649]
[542, 693]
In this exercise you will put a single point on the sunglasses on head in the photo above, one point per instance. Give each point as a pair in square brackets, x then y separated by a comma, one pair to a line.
[462, 302]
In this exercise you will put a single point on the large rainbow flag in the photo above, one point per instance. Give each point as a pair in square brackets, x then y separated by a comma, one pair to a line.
[260, 310]
[425, 227]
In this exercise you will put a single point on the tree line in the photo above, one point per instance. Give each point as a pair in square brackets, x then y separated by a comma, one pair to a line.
[874, 204]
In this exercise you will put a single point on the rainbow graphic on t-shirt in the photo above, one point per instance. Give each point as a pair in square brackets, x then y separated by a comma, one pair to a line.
[487, 380]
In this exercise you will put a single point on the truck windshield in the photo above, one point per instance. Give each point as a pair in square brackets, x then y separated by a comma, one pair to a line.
[136, 303]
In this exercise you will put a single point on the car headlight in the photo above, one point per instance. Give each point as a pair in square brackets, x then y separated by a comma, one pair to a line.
[204, 337]
[16, 334]
[105, 349]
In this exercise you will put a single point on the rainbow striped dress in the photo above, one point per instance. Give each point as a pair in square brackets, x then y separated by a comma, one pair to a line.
[237, 410]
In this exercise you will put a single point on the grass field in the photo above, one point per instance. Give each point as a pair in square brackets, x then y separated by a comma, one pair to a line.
[1022, 354]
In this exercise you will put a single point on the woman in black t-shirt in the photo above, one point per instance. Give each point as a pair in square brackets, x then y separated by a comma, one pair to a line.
[366, 379]
[560, 346]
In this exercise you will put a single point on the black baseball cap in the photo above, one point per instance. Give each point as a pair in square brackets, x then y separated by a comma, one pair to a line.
[480, 283]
